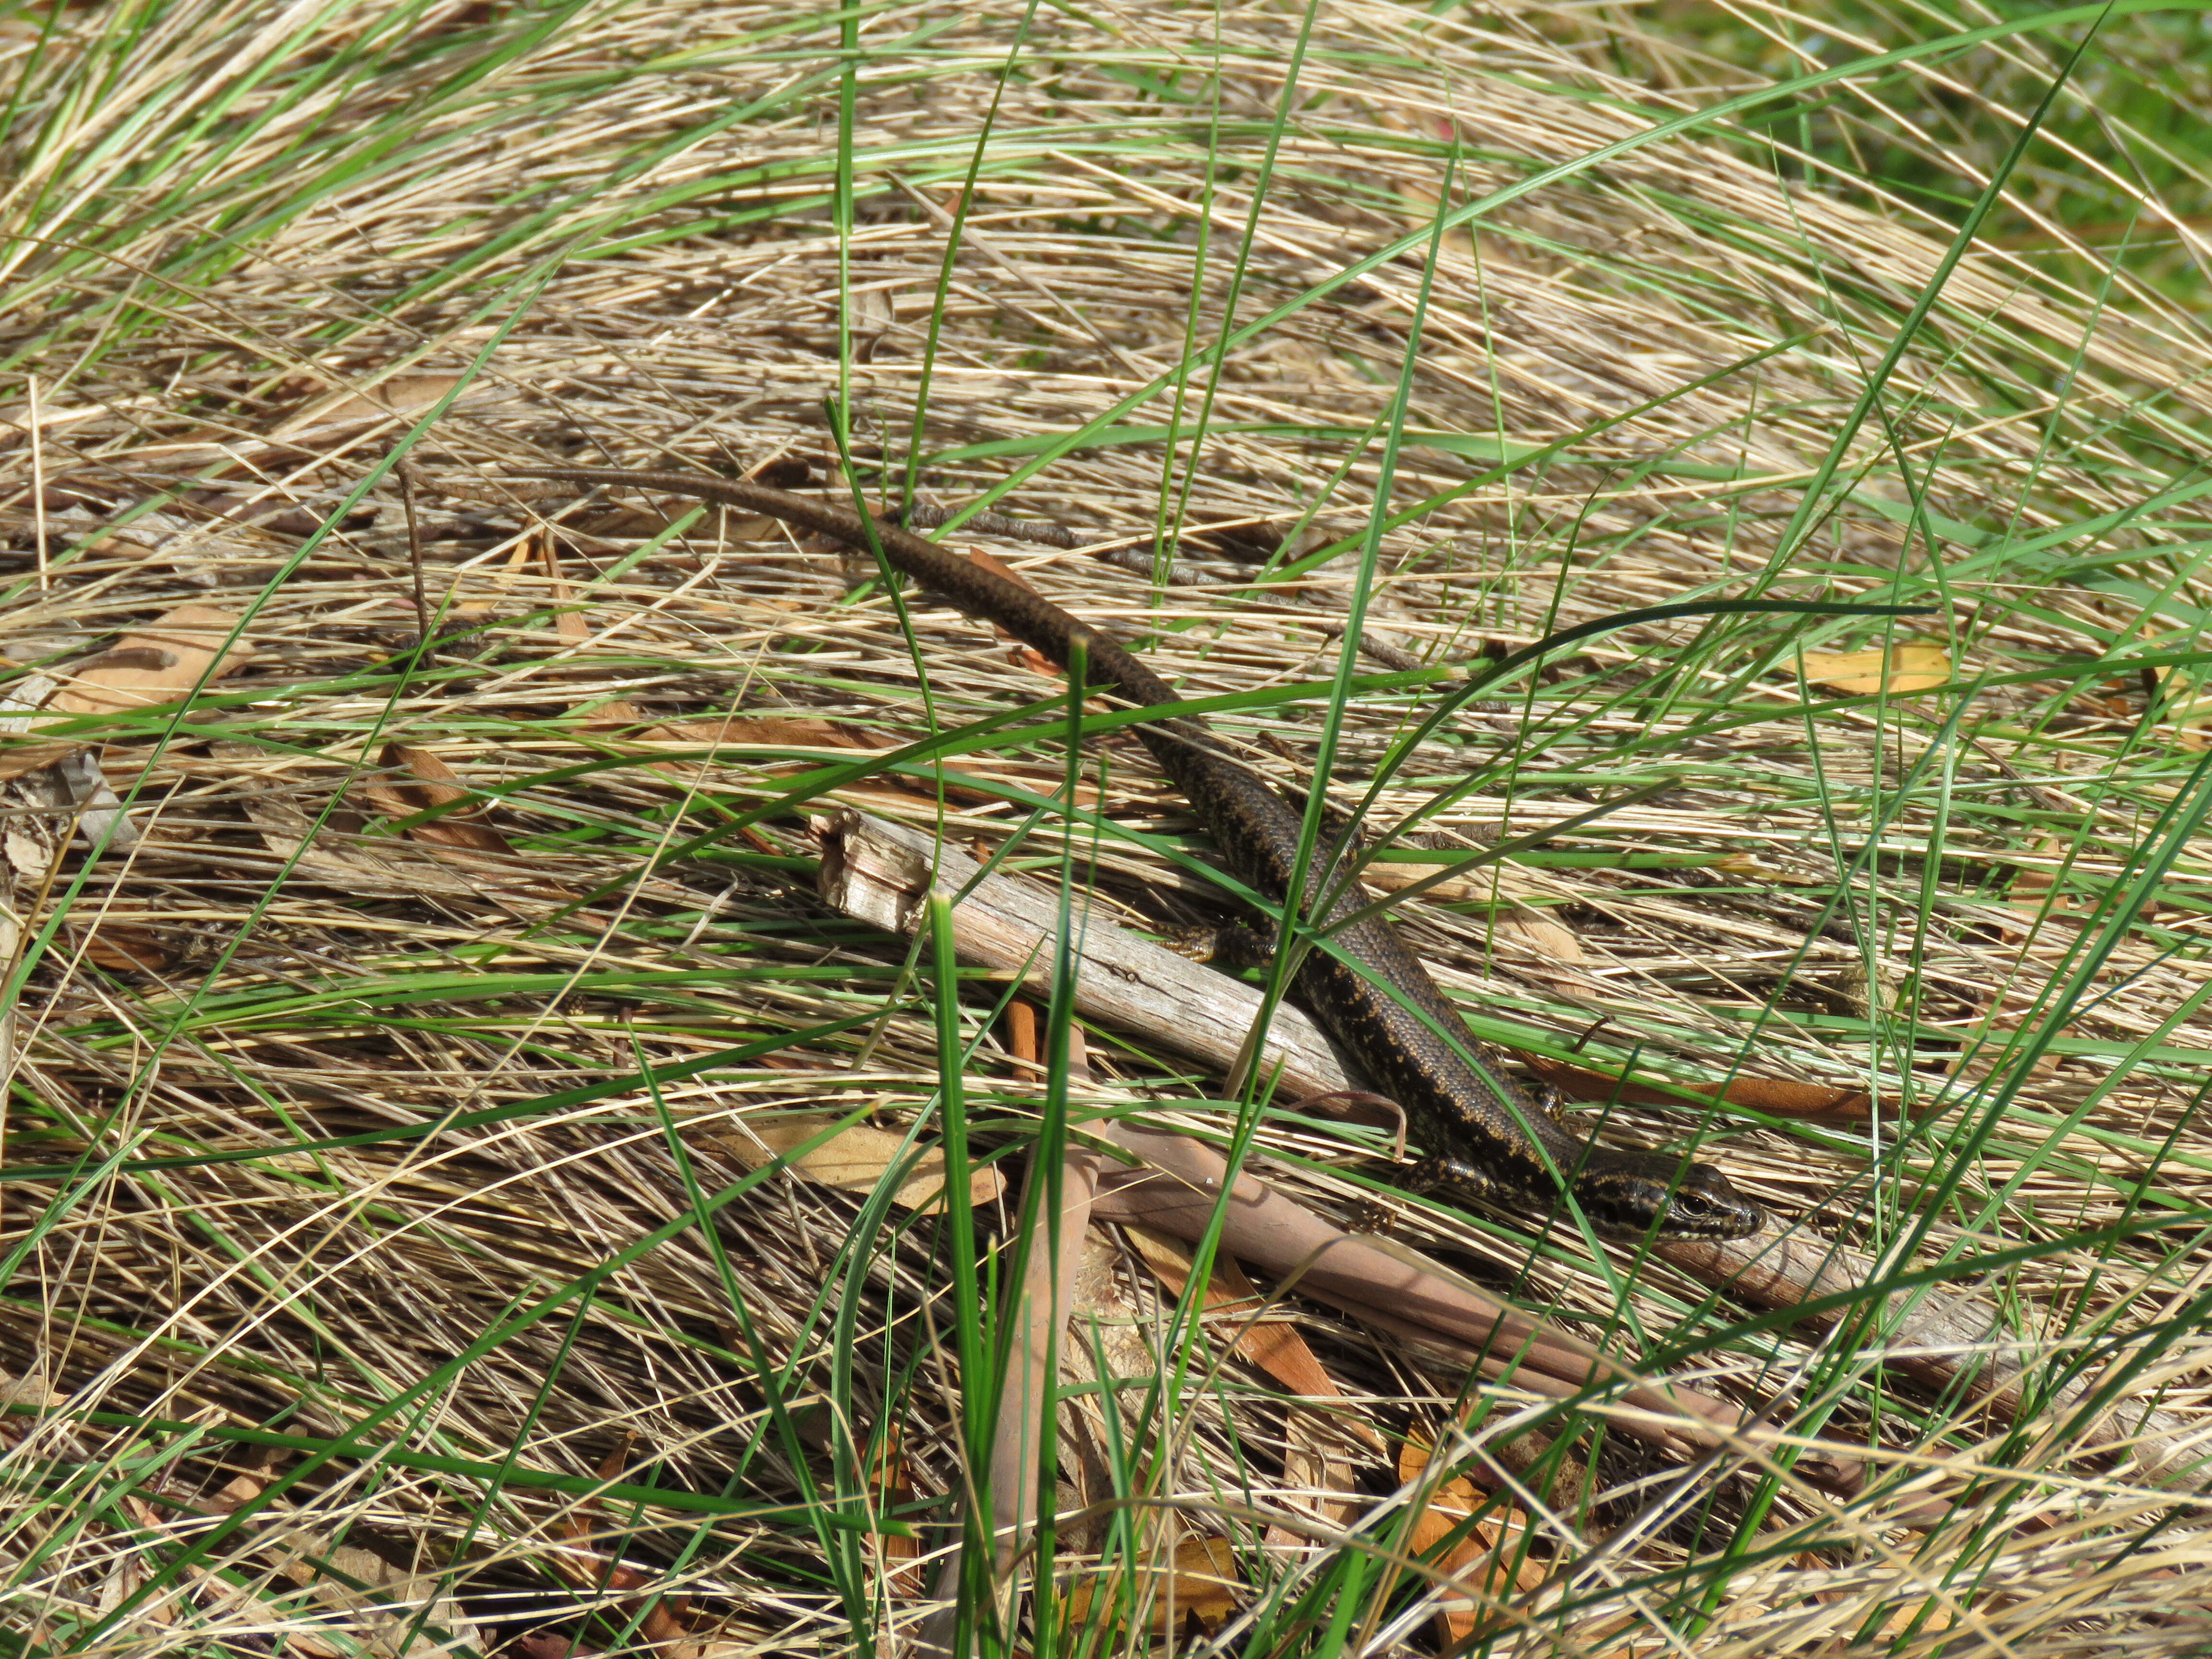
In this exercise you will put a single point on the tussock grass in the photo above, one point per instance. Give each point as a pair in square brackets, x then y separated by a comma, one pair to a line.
[380, 1207]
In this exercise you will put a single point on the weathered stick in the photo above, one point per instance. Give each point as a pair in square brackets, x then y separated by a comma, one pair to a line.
[882, 872]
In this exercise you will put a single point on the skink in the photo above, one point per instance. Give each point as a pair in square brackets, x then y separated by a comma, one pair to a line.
[1485, 1138]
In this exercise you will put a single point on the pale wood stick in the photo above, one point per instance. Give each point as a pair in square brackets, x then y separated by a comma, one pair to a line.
[883, 872]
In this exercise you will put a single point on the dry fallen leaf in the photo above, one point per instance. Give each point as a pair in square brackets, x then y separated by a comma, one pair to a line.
[1775, 1097]
[1274, 1344]
[776, 731]
[664, 1622]
[768, 731]
[378, 869]
[1422, 207]
[159, 663]
[323, 424]
[31, 1389]
[318, 855]
[125, 949]
[894, 795]
[2187, 714]
[521, 559]
[855, 1160]
[901, 1550]
[1203, 1587]
[1548, 940]
[568, 624]
[1321, 1450]
[1021, 656]
[1902, 669]
[1494, 880]
[403, 395]
[378, 1609]
[1481, 1565]
[2031, 892]
[434, 784]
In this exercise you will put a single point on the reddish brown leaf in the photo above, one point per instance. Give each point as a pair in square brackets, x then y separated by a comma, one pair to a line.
[551, 1645]
[125, 949]
[1480, 1564]
[664, 1624]
[1021, 656]
[1775, 1097]
[1275, 1345]
[894, 1481]
[1278, 1348]
[434, 784]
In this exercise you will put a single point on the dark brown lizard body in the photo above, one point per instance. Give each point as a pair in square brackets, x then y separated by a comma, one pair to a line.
[1485, 1137]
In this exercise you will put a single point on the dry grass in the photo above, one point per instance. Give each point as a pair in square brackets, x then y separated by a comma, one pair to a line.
[618, 241]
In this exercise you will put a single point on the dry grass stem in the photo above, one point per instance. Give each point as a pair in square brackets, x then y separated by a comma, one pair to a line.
[393, 978]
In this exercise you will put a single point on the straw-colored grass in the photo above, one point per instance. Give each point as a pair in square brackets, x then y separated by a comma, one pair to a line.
[349, 1250]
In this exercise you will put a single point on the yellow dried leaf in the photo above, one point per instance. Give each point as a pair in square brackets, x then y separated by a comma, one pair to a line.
[1749, 867]
[2188, 713]
[1899, 671]
[1203, 1587]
